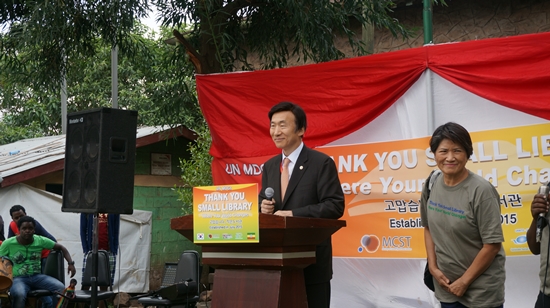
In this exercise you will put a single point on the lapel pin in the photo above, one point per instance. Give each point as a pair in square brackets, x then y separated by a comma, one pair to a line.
[301, 167]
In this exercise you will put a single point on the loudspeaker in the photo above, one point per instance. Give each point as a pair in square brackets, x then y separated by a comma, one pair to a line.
[100, 154]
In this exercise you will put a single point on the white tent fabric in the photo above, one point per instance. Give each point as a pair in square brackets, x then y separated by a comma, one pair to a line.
[391, 283]
[407, 117]
[132, 273]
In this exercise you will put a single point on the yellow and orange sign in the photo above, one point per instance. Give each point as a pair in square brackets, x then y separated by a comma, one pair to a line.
[226, 214]
[382, 183]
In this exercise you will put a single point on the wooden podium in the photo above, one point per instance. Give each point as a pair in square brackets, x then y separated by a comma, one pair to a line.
[268, 274]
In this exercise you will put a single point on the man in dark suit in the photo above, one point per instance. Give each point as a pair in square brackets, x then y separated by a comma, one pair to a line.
[313, 190]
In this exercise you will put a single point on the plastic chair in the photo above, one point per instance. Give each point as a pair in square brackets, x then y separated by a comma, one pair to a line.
[187, 274]
[103, 280]
[55, 267]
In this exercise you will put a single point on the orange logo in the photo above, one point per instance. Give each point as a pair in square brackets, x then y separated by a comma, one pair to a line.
[370, 243]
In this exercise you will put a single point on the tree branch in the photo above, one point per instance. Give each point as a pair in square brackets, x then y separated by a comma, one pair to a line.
[195, 57]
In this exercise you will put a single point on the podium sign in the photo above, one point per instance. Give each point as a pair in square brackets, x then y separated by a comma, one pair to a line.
[226, 214]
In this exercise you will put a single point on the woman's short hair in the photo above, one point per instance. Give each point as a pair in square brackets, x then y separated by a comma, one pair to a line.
[454, 132]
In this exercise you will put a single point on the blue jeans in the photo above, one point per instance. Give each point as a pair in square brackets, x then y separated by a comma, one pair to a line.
[22, 285]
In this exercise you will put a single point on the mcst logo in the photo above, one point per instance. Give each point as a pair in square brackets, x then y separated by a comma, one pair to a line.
[371, 243]
[396, 243]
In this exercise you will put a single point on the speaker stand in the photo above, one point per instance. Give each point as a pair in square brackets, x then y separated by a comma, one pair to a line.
[93, 302]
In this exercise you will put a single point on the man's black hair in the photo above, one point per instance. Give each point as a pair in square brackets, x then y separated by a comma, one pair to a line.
[17, 208]
[26, 219]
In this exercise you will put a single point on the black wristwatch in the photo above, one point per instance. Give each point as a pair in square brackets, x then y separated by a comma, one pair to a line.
[70, 263]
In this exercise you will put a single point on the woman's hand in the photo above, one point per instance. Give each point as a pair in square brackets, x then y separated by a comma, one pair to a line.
[480, 264]
[441, 279]
[458, 287]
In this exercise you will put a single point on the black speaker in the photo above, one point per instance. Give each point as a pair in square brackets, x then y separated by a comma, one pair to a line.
[100, 155]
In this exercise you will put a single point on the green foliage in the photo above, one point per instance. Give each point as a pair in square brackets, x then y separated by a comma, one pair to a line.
[155, 79]
[54, 31]
[225, 33]
[10, 133]
[167, 87]
[195, 171]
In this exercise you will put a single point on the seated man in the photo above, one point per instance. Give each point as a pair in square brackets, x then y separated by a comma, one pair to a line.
[18, 211]
[24, 252]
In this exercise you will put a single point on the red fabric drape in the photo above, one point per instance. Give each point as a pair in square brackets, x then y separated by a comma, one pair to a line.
[513, 72]
[340, 97]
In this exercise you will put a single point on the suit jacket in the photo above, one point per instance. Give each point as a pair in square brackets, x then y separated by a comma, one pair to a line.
[314, 190]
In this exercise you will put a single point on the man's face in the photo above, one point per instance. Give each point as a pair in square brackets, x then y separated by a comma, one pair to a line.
[27, 230]
[283, 131]
[16, 215]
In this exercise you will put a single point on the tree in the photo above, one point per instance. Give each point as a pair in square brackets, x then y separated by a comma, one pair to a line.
[221, 33]
[57, 30]
[224, 33]
[154, 79]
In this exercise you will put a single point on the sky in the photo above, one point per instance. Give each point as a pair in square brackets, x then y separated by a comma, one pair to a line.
[150, 20]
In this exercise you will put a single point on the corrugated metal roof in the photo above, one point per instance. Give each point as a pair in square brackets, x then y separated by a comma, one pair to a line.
[28, 154]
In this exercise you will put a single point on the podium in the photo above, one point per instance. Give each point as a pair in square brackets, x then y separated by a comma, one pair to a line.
[268, 274]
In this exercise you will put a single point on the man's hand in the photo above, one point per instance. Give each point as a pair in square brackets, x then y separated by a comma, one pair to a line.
[284, 213]
[267, 206]
[71, 270]
[539, 205]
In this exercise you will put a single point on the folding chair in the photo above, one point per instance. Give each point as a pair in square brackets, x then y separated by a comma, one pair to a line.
[184, 290]
[55, 267]
[103, 280]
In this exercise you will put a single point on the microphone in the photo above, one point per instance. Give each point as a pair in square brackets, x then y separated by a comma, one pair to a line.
[269, 192]
[541, 220]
